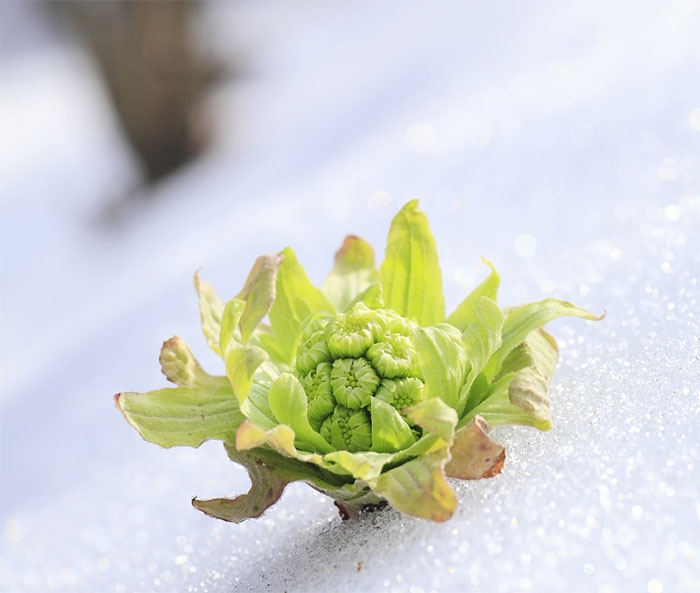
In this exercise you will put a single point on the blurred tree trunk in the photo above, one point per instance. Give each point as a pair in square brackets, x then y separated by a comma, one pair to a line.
[152, 73]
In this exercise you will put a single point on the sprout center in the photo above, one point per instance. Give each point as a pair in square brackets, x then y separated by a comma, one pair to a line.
[344, 361]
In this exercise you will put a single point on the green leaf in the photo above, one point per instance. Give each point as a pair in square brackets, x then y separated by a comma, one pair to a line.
[473, 454]
[390, 433]
[295, 301]
[426, 444]
[256, 406]
[185, 416]
[271, 345]
[519, 393]
[465, 311]
[353, 272]
[362, 466]
[258, 293]
[241, 364]
[523, 319]
[211, 308]
[371, 297]
[482, 336]
[497, 408]
[410, 274]
[288, 403]
[180, 366]
[519, 358]
[229, 322]
[443, 360]
[438, 422]
[434, 417]
[419, 488]
[481, 339]
[283, 440]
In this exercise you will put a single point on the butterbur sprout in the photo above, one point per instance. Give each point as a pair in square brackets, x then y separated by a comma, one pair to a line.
[362, 389]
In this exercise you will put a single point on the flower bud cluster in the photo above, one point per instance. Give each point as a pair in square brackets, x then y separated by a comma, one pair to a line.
[345, 360]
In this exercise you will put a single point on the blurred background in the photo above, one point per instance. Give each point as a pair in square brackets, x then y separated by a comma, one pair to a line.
[140, 141]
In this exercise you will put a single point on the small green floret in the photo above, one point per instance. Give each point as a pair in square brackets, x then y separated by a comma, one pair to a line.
[348, 429]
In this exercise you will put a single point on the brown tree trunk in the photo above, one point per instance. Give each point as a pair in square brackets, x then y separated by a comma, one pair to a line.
[152, 73]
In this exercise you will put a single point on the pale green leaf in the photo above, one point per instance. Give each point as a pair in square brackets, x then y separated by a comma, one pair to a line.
[434, 417]
[519, 393]
[271, 345]
[428, 443]
[371, 296]
[256, 406]
[288, 403]
[258, 293]
[419, 488]
[241, 364]
[390, 433]
[228, 339]
[211, 308]
[295, 301]
[283, 440]
[481, 339]
[523, 319]
[185, 416]
[443, 360]
[465, 311]
[353, 272]
[362, 466]
[497, 409]
[410, 274]
[518, 358]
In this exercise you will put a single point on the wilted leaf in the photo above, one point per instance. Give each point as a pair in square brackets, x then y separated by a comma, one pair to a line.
[180, 366]
[266, 486]
[474, 454]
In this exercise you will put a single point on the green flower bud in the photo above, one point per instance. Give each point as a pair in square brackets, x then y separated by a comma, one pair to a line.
[317, 385]
[344, 361]
[395, 323]
[313, 348]
[353, 381]
[348, 429]
[316, 323]
[311, 352]
[351, 334]
[394, 356]
[401, 393]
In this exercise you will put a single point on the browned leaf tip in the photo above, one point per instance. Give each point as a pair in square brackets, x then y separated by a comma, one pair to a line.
[345, 511]
[474, 454]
